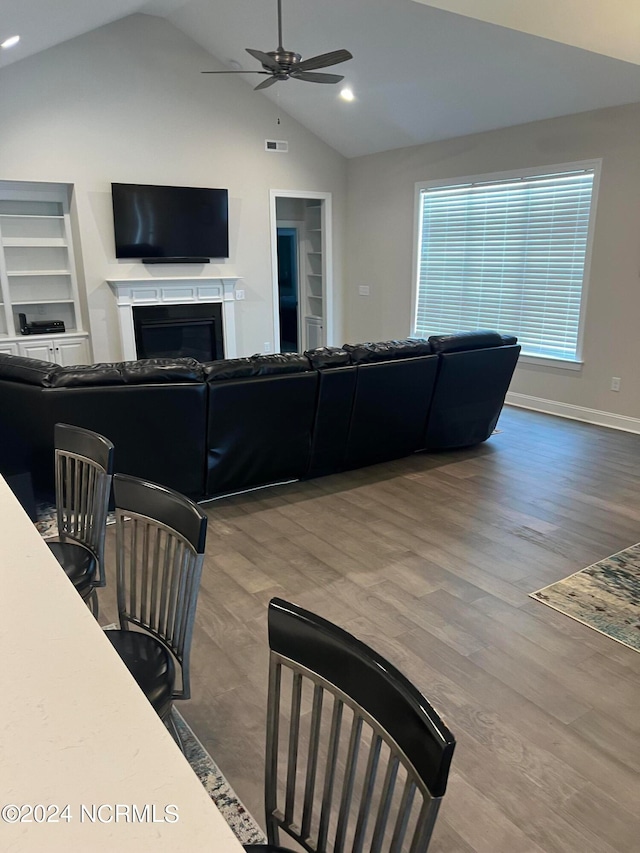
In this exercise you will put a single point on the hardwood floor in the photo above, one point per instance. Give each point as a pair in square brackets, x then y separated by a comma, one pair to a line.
[430, 560]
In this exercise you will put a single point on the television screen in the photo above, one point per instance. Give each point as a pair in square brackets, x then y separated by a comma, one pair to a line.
[170, 222]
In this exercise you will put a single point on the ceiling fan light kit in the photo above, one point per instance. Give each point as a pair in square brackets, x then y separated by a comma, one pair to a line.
[281, 64]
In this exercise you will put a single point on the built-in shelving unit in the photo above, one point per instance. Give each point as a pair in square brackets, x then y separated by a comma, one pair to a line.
[313, 283]
[37, 272]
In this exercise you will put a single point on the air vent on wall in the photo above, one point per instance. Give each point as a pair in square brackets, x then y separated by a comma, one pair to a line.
[276, 145]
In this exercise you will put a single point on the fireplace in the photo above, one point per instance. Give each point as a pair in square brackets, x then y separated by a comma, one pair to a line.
[215, 294]
[179, 331]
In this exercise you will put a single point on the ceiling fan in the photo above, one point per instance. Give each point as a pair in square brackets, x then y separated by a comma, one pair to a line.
[281, 64]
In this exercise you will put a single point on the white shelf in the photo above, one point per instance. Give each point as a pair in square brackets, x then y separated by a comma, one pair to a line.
[315, 274]
[30, 216]
[16, 273]
[34, 242]
[75, 333]
[42, 301]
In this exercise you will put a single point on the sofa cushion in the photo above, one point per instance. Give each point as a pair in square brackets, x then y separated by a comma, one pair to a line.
[459, 341]
[256, 365]
[162, 370]
[29, 370]
[387, 350]
[145, 371]
[322, 357]
[509, 340]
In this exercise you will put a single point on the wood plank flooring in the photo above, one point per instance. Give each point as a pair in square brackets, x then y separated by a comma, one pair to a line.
[429, 560]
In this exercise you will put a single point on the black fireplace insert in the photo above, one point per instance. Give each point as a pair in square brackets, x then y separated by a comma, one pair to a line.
[179, 331]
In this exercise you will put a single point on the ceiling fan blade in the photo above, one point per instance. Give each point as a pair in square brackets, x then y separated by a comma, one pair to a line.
[316, 78]
[236, 72]
[265, 83]
[264, 58]
[324, 60]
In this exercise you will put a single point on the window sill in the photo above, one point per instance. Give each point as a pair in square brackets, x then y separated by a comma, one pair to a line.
[546, 361]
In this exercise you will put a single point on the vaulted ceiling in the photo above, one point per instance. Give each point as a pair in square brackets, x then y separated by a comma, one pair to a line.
[422, 70]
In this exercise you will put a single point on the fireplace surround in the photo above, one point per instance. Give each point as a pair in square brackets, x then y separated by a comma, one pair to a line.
[163, 292]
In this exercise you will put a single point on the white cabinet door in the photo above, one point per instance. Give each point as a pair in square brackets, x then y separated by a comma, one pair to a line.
[63, 351]
[41, 348]
[9, 349]
[71, 351]
[314, 332]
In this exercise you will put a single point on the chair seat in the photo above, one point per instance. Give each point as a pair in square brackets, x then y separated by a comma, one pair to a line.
[266, 848]
[79, 563]
[151, 665]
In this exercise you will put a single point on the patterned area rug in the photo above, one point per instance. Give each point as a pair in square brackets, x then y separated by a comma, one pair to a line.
[604, 596]
[229, 805]
[47, 525]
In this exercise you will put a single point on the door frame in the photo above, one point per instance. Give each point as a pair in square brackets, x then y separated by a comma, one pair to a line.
[327, 259]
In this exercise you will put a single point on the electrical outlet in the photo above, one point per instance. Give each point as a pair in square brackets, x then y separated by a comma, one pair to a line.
[239, 294]
[363, 290]
[615, 383]
[267, 346]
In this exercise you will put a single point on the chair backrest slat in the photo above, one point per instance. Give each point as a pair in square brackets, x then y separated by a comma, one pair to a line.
[384, 808]
[404, 813]
[312, 761]
[347, 789]
[330, 773]
[292, 757]
[367, 795]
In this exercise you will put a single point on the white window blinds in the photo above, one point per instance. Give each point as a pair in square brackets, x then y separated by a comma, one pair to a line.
[507, 255]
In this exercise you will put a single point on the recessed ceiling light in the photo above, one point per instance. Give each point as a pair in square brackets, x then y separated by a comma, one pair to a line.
[347, 95]
[10, 41]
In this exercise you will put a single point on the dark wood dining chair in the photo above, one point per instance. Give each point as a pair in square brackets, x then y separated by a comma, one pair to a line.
[160, 541]
[357, 759]
[83, 471]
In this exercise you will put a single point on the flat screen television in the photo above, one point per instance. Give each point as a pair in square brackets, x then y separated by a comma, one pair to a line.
[157, 223]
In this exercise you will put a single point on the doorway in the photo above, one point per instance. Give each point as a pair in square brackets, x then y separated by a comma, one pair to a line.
[288, 288]
[302, 269]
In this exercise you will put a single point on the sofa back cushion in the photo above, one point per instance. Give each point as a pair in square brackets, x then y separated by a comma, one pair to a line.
[460, 341]
[322, 358]
[30, 370]
[369, 353]
[270, 364]
[146, 371]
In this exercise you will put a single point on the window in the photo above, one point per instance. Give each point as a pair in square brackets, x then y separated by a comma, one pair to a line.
[507, 252]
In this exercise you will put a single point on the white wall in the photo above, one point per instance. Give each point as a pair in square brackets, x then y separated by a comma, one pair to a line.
[380, 237]
[127, 103]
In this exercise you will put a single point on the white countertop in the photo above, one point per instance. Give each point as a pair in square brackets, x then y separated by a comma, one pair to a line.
[76, 730]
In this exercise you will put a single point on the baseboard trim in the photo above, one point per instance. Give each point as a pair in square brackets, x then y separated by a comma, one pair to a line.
[574, 413]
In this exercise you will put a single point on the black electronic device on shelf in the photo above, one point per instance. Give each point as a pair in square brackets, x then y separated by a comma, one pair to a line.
[40, 327]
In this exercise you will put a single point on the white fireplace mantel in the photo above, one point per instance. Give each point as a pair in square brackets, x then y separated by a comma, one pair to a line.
[174, 291]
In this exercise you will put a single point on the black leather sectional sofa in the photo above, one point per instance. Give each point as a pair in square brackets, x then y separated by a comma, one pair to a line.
[224, 426]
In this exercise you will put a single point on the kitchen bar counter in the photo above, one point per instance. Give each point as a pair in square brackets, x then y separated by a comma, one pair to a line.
[85, 763]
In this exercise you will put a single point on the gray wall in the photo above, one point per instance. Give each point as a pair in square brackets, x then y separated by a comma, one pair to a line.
[381, 244]
[127, 103]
